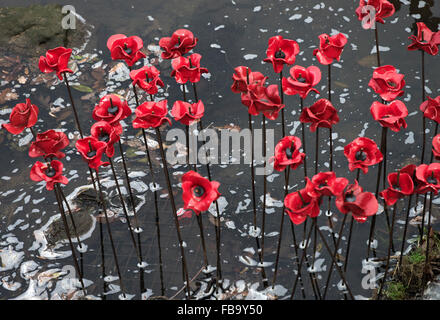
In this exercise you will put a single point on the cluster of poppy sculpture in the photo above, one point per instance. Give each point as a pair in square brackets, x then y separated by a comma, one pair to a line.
[199, 193]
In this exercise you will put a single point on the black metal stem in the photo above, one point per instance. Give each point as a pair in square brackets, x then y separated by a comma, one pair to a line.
[283, 120]
[124, 209]
[405, 229]
[67, 230]
[217, 226]
[303, 141]
[173, 206]
[377, 46]
[202, 238]
[341, 229]
[379, 295]
[341, 273]
[422, 159]
[147, 149]
[115, 256]
[75, 113]
[286, 191]
[127, 181]
[428, 249]
[263, 223]
[379, 172]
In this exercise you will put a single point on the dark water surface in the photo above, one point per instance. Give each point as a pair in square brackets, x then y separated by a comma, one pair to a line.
[231, 33]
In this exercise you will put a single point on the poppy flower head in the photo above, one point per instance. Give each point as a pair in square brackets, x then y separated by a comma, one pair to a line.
[287, 153]
[431, 109]
[382, 9]
[265, 100]
[57, 60]
[361, 204]
[300, 204]
[244, 79]
[301, 81]
[326, 184]
[387, 82]
[321, 114]
[105, 132]
[186, 113]
[400, 183]
[181, 42]
[187, 69]
[111, 109]
[125, 48]
[91, 149]
[51, 172]
[23, 115]
[436, 146]
[151, 115]
[280, 52]
[198, 192]
[362, 153]
[147, 78]
[49, 145]
[425, 40]
[390, 115]
[330, 48]
[428, 178]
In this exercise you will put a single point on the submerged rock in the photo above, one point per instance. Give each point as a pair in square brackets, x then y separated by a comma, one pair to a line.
[55, 232]
[30, 31]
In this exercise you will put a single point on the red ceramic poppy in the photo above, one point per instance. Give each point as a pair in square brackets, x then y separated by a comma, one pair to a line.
[56, 60]
[387, 83]
[301, 81]
[330, 48]
[382, 9]
[186, 113]
[436, 146]
[428, 178]
[91, 149]
[321, 114]
[181, 41]
[425, 40]
[147, 78]
[265, 100]
[51, 172]
[125, 48]
[431, 109]
[390, 115]
[326, 184]
[244, 78]
[48, 145]
[299, 205]
[23, 115]
[105, 132]
[198, 192]
[280, 52]
[362, 153]
[361, 204]
[287, 154]
[187, 69]
[111, 109]
[151, 115]
[400, 183]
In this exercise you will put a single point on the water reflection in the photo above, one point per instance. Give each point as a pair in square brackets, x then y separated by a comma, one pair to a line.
[236, 34]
